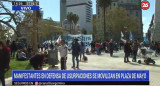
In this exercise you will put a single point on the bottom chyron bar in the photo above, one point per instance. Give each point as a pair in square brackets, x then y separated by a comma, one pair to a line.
[80, 83]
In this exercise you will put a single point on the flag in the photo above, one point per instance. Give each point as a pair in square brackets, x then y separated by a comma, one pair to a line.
[122, 35]
[59, 39]
[130, 36]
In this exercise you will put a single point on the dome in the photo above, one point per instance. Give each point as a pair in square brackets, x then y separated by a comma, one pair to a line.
[66, 21]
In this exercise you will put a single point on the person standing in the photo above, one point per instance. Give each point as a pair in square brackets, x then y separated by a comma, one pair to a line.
[4, 62]
[82, 46]
[13, 49]
[127, 51]
[135, 49]
[63, 49]
[75, 53]
[111, 47]
[97, 46]
[92, 46]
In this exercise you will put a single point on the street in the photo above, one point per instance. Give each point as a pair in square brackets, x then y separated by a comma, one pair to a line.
[105, 62]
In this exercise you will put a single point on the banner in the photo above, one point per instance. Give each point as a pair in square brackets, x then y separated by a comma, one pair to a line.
[82, 76]
[86, 39]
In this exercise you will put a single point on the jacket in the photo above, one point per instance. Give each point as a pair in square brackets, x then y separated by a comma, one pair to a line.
[75, 48]
[4, 59]
[127, 48]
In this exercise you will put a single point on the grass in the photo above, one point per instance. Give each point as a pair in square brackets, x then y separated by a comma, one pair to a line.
[19, 65]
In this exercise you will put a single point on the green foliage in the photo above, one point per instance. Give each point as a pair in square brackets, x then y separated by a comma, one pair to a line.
[103, 3]
[118, 18]
[72, 18]
[48, 28]
[75, 18]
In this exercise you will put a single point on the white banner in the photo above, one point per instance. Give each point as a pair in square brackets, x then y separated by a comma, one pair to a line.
[86, 39]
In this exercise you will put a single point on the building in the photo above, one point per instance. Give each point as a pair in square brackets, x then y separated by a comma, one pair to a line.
[132, 7]
[62, 11]
[156, 30]
[83, 8]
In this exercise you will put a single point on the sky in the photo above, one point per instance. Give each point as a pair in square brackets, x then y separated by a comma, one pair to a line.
[51, 8]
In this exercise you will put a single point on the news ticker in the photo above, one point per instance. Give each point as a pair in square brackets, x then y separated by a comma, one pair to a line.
[80, 82]
[82, 77]
[25, 5]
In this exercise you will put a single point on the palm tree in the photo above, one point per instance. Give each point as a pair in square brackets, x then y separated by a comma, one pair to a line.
[104, 4]
[70, 19]
[75, 20]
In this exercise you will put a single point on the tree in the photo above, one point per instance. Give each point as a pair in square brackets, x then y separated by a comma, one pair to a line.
[118, 19]
[104, 4]
[11, 18]
[84, 31]
[70, 19]
[75, 20]
[48, 28]
[94, 23]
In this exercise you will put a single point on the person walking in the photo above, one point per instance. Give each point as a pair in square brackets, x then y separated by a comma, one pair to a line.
[135, 49]
[82, 47]
[111, 47]
[92, 46]
[97, 46]
[75, 53]
[63, 49]
[127, 51]
[4, 62]
[13, 49]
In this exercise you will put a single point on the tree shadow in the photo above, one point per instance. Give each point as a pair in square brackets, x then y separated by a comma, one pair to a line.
[134, 64]
[154, 65]
[115, 56]
[53, 68]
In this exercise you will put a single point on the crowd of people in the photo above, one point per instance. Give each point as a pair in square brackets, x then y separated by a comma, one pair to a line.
[22, 51]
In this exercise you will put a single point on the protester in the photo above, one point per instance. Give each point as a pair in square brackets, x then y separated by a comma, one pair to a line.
[92, 46]
[29, 50]
[37, 61]
[156, 49]
[21, 56]
[63, 49]
[120, 45]
[4, 62]
[127, 51]
[111, 48]
[135, 49]
[82, 47]
[75, 53]
[13, 49]
[97, 46]
[51, 46]
[107, 46]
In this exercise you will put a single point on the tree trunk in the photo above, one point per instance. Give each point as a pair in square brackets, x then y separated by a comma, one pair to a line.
[34, 32]
[70, 28]
[104, 22]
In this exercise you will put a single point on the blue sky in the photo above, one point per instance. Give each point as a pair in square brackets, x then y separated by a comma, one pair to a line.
[51, 8]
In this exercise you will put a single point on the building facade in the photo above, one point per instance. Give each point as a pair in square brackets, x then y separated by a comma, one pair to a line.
[83, 8]
[133, 8]
[62, 11]
[156, 30]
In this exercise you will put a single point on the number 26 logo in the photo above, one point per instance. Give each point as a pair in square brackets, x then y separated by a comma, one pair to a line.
[145, 5]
